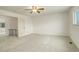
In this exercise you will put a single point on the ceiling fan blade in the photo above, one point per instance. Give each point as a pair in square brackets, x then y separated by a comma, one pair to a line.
[40, 8]
[38, 11]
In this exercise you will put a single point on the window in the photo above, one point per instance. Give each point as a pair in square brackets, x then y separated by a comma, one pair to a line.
[76, 18]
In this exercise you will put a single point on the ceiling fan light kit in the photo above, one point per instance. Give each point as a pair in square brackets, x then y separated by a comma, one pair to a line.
[35, 9]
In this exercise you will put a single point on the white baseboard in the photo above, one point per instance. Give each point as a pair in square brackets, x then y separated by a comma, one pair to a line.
[24, 35]
[74, 42]
[52, 34]
[2, 35]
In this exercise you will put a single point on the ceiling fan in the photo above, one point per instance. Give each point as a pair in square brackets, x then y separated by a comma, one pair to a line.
[35, 9]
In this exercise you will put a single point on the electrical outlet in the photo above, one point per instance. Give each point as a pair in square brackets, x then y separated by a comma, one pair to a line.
[70, 42]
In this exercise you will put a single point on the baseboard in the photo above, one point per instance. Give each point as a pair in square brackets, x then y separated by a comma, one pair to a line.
[42, 34]
[3, 35]
[52, 34]
[24, 35]
[73, 42]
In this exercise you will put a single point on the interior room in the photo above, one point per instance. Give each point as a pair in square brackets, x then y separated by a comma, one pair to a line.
[39, 28]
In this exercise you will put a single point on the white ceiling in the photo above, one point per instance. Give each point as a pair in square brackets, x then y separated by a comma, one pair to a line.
[48, 9]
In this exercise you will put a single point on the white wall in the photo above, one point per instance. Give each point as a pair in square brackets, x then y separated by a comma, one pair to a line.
[25, 25]
[24, 22]
[74, 29]
[52, 24]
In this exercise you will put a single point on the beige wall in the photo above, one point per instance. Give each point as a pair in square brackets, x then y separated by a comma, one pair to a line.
[52, 24]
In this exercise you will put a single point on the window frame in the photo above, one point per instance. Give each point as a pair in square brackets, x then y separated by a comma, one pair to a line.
[75, 18]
